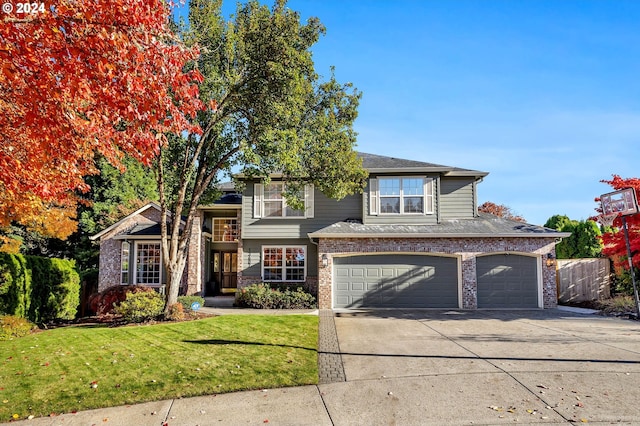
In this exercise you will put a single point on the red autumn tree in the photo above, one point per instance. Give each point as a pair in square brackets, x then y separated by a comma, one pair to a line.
[77, 79]
[614, 243]
[500, 210]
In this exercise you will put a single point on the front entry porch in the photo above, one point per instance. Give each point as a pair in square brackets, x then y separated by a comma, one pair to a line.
[224, 273]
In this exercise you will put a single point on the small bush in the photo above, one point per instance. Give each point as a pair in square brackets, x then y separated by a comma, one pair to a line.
[622, 283]
[176, 312]
[617, 305]
[12, 326]
[140, 306]
[263, 296]
[105, 302]
[186, 301]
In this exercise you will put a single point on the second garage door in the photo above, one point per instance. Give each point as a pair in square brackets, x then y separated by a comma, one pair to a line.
[395, 281]
[507, 281]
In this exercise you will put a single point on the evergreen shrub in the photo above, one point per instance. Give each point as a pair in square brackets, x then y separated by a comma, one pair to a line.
[141, 306]
[38, 288]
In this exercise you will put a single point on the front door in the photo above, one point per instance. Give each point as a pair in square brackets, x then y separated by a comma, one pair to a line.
[225, 271]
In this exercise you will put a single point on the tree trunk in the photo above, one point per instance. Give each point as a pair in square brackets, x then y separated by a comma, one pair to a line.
[175, 271]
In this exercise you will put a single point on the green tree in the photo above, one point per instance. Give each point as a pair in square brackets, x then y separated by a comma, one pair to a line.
[268, 112]
[114, 194]
[584, 241]
[557, 222]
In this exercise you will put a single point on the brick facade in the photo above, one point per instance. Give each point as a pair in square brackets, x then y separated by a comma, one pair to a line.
[110, 248]
[466, 249]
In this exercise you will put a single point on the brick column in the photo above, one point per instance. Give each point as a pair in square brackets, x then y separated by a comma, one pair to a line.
[324, 277]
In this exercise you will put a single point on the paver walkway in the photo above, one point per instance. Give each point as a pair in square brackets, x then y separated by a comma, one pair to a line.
[330, 368]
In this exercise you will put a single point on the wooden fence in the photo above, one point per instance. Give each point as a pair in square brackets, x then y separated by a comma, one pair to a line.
[581, 280]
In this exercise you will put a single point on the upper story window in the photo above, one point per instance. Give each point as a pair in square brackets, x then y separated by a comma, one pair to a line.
[225, 229]
[269, 202]
[401, 195]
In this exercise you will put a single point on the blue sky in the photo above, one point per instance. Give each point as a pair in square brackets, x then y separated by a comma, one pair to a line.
[543, 95]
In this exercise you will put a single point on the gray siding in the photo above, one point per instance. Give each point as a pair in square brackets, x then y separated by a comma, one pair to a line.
[457, 198]
[252, 255]
[326, 212]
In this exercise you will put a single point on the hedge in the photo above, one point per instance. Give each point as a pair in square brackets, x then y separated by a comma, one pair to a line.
[266, 296]
[38, 288]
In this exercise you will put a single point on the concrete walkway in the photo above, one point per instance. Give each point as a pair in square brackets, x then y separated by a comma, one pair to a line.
[402, 367]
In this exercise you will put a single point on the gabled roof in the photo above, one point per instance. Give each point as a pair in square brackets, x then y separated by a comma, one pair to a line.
[485, 225]
[115, 225]
[381, 164]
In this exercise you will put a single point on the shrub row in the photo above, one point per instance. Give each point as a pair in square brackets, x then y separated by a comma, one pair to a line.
[264, 296]
[38, 288]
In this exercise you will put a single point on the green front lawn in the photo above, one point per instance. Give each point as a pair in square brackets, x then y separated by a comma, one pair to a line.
[83, 367]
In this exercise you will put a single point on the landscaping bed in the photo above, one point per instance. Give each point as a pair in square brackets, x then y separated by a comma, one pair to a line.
[618, 306]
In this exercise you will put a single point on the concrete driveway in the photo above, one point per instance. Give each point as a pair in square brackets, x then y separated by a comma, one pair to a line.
[432, 368]
[485, 367]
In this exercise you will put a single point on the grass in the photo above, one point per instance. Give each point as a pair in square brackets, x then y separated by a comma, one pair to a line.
[77, 368]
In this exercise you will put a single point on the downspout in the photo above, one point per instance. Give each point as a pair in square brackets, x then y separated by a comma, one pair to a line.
[475, 196]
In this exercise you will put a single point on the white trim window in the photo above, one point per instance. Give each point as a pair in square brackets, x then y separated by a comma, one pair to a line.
[411, 195]
[269, 201]
[148, 263]
[225, 229]
[284, 263]
[125, 251]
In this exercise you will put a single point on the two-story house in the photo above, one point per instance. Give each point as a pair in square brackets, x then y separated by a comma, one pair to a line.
[413, 239]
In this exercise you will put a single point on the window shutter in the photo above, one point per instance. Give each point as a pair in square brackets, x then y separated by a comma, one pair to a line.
[258, 193]
[428, 196]
[374, 197]
[308, 200]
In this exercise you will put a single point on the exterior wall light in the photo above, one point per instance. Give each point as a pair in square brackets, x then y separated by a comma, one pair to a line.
[551, 261]
[325, 260]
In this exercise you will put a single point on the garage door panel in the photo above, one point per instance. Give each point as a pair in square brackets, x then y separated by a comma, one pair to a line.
[507, 281]
[397, 281]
